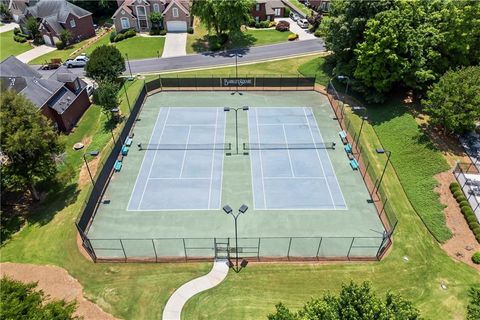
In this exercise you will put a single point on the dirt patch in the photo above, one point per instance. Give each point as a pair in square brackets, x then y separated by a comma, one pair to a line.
[58, 284]
[84, 177]
[463, 244]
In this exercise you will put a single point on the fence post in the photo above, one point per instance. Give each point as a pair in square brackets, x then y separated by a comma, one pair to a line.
[289, 245]
[319, 245]
[185, 250]
[351, 244]
[281, 82]
[366, 169]
[298, 79]
[161, 82]
[258, 249]
[155, 251]
[123, 249]
[196, 83]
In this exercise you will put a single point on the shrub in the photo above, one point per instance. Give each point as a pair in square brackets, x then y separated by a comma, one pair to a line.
[293, 37]
[119, 37]
[463, 203]
[257, 25]
[16, 31]
[458, 194]
[283, 26]
[163, 32]
[286, 13]
[60, 45]
[214, 44]
[113, 34]
[222, 38]
[476, 257]
[454, 185]
[476, 229]
[318, 33]
[272, 24]
[265, 24]
[190, 30]
[472, 224]
[251, 22]
[20, 39]
[130, 33]
[472, 220]
[467, 211]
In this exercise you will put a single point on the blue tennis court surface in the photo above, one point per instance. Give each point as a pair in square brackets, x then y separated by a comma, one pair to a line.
[287, 179]
[188, 179]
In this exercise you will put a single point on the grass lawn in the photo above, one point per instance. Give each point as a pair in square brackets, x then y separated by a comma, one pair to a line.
[197, 42]
[9, 47]
[62, 54]
[300, 7]
[142, 47]
[139, 291]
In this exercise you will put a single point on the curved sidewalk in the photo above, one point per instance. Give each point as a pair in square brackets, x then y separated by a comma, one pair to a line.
[174, 306]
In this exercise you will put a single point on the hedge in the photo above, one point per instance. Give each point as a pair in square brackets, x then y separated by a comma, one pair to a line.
[466, 210]
[476, 257]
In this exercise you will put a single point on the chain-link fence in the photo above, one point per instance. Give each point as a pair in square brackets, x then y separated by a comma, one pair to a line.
[468, 176]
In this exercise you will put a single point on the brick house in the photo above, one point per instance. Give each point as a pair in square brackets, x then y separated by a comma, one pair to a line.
[135, 14]
[62, 98]
[268, 10]
[58, 15]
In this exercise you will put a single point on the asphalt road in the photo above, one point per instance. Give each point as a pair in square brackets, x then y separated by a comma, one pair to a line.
[209, 59]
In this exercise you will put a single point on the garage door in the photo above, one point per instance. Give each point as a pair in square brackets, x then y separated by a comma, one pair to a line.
[177, 26]
[47, 40]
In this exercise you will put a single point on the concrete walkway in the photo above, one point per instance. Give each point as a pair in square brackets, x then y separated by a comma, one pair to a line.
[175, 45]
[35, 53]
[8, 26]
[174, 306]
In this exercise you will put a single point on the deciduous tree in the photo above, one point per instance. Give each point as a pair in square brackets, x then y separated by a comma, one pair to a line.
[29, 144]
[454, 101]
[106, 95]
[106, 63]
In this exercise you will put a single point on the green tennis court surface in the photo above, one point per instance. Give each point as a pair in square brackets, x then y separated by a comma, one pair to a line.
[166, 200]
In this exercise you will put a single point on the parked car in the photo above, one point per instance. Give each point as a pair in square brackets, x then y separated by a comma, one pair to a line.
[79, 61]
[294, 16]
[303, 23]
[90, 90]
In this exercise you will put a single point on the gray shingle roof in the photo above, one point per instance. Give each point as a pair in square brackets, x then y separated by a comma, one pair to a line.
[12, 67]
[60, 9]
[62, 100]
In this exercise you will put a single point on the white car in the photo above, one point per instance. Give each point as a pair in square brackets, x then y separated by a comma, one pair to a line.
[79, 61]
[294, 16]
[303, 23]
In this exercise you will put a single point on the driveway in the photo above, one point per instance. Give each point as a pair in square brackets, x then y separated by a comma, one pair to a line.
[175, 45]
[8, 26]
[303, 34]
[34, 53]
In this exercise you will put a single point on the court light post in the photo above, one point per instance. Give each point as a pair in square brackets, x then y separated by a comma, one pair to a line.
[361, 127]
[228, 210]
[227, 109]
[93, 154]
[389, 153]
[236, 72]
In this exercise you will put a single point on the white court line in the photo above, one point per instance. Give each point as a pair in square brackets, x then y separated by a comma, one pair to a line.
[285, 124]
[330, 161]
[213, 160]
[288, 151]
[154, 156]
[193, 178]
[185, 153]
[192, 125]
[318, 156]
[144, 157]
[261, 161]
[223, 156]
[296, 178]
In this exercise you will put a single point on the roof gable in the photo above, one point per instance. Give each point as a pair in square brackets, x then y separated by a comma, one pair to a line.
[178, 4]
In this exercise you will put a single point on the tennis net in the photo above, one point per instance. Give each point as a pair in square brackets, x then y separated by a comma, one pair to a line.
[168, 146]
[288, 146]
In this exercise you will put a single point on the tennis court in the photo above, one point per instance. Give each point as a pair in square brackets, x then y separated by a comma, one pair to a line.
[183, 161]
[291, 168]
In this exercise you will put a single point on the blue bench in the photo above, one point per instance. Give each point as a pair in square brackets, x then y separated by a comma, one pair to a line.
[354, 164]
[118, 166]
[348, 148]
[128, 141]
[124, 150]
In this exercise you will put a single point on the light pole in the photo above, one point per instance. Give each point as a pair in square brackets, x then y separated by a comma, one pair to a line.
[227, 109]
[93, 154]
[236, 72]
[361, 127]
[228, 210]
[389, 153]
[128, 100]
[129, 68]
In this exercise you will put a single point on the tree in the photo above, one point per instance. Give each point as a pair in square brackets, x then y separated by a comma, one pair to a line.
[354, 302]
[223, 16]
[66, 36]
[156, 19]
[23, 301]
[473, 308]
[106, 95]
[454, 101]
[106, 62]
[33, 26]
[28, 142]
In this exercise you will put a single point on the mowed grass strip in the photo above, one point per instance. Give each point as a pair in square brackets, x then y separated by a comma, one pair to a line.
[9, 47]
[416, 160]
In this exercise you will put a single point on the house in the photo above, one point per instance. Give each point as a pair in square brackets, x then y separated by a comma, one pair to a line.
[318, 5]
[135, 14]
[58, 15]
[18, 7]
[62, 98]
[268, 10]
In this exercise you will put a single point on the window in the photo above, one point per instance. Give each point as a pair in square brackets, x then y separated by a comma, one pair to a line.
[125, 23]
[257, 7]
[278, 12]
[156, 7]
[143, 23]
[175, 12]
[72, 23]
[141, 11]
[257, 19]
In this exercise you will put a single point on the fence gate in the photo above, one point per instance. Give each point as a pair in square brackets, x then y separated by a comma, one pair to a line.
[222, 248]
